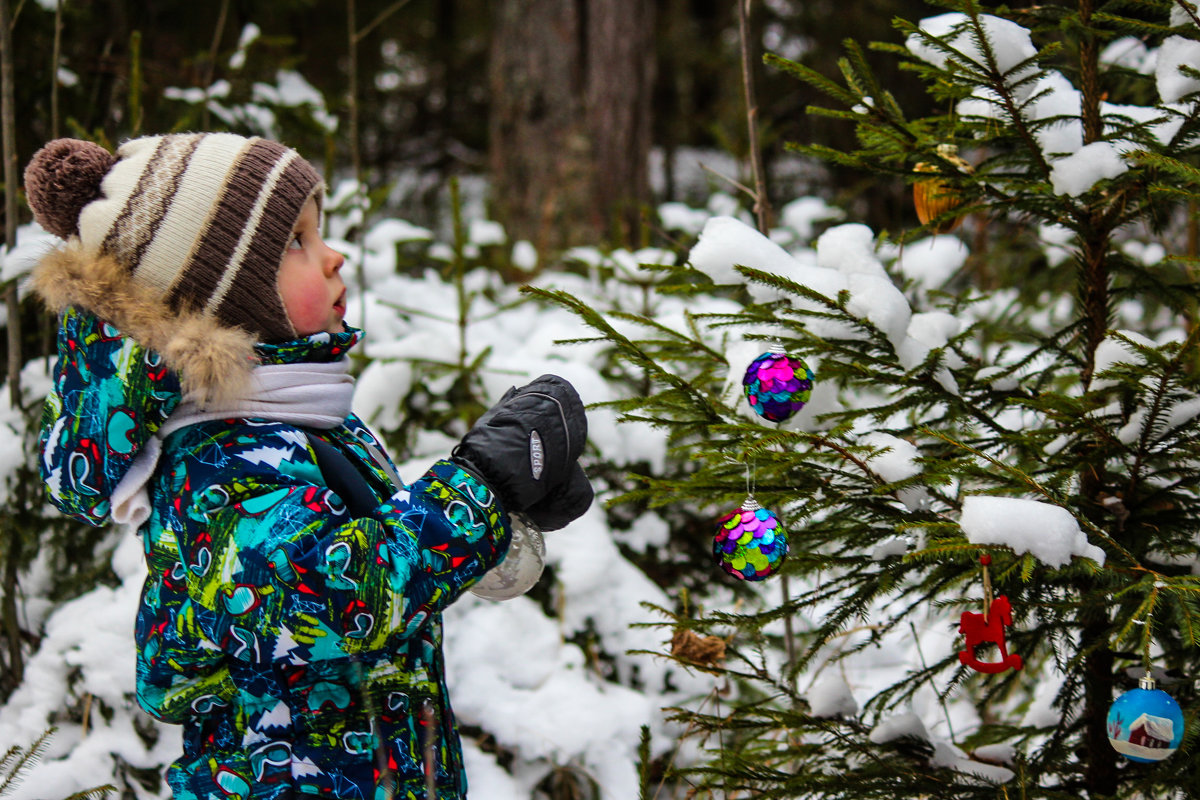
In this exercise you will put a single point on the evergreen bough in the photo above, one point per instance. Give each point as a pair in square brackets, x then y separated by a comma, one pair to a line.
[1017, 404]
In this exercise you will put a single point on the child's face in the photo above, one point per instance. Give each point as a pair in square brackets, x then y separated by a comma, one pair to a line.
[310, 280]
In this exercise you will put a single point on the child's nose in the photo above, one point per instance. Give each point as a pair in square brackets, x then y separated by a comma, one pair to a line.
[334, 260]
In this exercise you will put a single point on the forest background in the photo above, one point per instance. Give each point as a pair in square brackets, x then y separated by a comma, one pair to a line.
[569, 122]
[481, 154]
[545, 97]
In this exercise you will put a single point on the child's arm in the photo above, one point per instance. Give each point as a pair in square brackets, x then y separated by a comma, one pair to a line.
[279, 570]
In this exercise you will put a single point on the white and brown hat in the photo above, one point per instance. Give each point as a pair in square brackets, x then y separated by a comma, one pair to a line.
[176, 240]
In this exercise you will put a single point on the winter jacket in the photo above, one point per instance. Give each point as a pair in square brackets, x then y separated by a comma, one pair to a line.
[299, 648]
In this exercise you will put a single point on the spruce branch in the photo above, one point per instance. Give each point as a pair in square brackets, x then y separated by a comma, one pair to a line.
[1189, 8]
[627, 348]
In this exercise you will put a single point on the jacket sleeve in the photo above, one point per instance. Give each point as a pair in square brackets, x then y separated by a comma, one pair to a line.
[281, 572]
[110, 395]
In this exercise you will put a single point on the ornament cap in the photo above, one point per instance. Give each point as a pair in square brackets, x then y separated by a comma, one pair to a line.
[776, 348]
[1147, 682]
[750, 504]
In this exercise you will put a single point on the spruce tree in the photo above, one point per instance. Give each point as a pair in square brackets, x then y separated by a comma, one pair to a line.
[1040, 410]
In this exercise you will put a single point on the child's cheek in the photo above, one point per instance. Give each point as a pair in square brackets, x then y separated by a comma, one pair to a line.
[305, 310]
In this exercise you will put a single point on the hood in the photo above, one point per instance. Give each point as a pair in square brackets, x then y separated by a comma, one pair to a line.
[110, 396]
[213, 361]
[124, 365]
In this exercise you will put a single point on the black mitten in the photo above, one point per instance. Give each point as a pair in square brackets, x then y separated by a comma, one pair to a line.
[564, 504]
[526, 445]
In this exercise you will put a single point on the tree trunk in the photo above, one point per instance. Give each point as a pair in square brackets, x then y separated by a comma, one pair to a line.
[571, 82]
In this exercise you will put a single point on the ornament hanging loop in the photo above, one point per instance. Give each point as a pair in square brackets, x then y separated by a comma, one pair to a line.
[986, 560]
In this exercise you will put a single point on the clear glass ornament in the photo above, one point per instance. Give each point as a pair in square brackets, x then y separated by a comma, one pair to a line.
[521, 568]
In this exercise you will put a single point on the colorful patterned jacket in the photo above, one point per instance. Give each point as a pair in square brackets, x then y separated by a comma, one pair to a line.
[300, 648]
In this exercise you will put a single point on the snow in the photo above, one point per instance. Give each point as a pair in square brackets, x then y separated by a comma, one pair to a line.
[524, 255]
[849, 249]
[647, 531]
[545, 701]
[1080, 171]
[1048, 532]
[726, 242]
[1055, 97]
[1076, 167]
[1175, 52]
[932, 261]
[67, 78]
[87, 648]
[249, 35]
[292, 90]
[32, 243]
[194, 95]
[519, 673]
[802, 215]
[999, 377]
[899, 726]
[676, 216]
[877, 300]
[1131, 53]
[1116, 349]
[830, 696]
[1008, 42]
[895, 461]
[485, 232]
[945, 754]
[895, 546]
[948, 755]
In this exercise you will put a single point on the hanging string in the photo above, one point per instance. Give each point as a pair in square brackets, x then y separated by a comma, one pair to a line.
[986, 559]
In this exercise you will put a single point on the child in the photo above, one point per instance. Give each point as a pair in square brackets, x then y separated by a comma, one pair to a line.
[201, 346]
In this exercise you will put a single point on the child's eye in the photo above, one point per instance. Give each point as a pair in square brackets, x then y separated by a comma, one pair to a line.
[297, 242]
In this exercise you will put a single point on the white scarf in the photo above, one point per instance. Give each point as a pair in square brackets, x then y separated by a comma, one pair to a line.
[309, 395]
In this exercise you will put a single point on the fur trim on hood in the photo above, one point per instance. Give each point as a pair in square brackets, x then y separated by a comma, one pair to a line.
[214, 362]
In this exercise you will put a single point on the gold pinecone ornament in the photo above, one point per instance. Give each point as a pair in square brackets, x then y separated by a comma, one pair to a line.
[934, 197]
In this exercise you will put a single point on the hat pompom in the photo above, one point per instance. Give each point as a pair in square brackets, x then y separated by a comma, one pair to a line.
[62, 178]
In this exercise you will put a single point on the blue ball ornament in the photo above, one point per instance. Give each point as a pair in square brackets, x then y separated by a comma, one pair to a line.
[1145, 724]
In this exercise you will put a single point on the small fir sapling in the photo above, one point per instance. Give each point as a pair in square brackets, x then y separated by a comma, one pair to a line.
[1033, 396]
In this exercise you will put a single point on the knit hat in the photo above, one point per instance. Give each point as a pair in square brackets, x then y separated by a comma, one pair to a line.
[173, 238]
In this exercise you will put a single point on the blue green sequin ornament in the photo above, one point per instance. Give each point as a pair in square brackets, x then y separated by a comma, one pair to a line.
[750, 543]
[1145, 724]
[777, 385]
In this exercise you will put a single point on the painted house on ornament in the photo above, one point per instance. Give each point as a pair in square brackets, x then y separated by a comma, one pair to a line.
[1152, 732]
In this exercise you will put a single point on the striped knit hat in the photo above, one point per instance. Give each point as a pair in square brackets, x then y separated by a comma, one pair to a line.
[198, 222]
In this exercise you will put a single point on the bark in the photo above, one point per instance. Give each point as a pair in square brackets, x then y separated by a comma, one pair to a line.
[571, 83]
[1101, 772]
[11, 181]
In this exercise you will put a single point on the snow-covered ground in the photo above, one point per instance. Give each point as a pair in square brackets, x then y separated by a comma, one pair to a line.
[516, 673]
[566, 689]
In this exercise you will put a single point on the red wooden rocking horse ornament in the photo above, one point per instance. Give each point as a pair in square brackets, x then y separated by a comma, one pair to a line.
[988, 628]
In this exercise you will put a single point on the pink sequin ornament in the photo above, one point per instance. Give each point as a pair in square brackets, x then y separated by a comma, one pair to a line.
[777, 385]
[750, 543]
